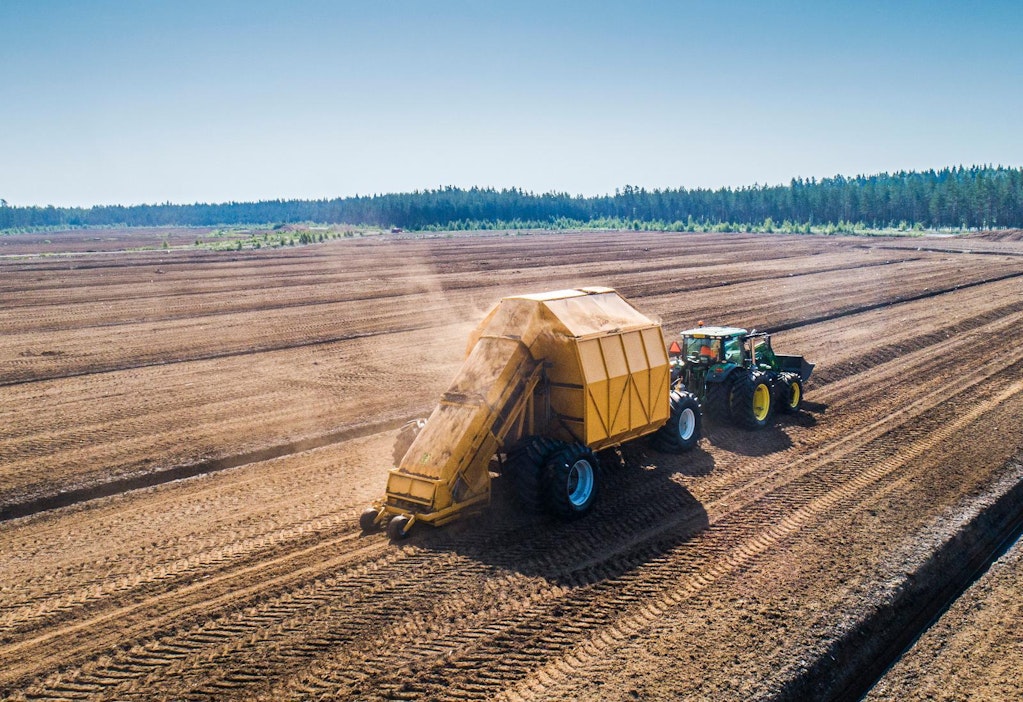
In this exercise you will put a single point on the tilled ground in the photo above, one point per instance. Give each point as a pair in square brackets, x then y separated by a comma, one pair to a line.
[974, 650]
[761, 565]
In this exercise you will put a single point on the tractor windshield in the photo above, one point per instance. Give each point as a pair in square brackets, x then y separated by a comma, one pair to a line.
[703, 349]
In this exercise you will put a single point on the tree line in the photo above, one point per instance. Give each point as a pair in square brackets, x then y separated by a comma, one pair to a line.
[958, 197]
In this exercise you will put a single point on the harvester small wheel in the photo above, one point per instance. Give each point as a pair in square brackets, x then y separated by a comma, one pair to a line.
[406, 435]
[682, 432]
[791, 393]
[751, 401]
[368, 519]
[572, 477]
[396, 528]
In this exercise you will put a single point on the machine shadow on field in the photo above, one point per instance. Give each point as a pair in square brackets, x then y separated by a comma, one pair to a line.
[763, 442]
[771, 439]
[642, 513]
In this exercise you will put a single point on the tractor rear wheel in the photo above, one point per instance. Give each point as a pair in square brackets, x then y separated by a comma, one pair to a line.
[571, 481]
[717, 400]
[682, 432]
[791, 398]
[750, 400]
[406, 435]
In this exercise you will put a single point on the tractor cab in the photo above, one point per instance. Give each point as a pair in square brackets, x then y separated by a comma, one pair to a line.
[710, 346]
[707, 354]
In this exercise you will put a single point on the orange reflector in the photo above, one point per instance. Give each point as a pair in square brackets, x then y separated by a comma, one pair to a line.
[675, 349]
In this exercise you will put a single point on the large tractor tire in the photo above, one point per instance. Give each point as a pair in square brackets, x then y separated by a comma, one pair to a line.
[571, 481]
[682, 432]
[790, 398]
[751, 401]
[406, 435]
[525, 469]
[717, 400]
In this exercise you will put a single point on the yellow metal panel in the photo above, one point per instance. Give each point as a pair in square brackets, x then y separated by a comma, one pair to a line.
[592, 358]
[635, 351]
[614, 356]
[660, 373]
[598, 423]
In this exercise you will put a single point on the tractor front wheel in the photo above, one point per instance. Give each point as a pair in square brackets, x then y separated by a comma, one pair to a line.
[791, 393]
[571, 481]
[750, 401]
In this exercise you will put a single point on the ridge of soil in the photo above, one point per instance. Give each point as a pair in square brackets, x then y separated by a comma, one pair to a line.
[763, 565]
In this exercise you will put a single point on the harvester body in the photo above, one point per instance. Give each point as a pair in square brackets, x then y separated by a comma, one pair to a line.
[579, 368]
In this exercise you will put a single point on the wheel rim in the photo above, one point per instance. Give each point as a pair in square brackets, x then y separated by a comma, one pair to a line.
[796, 396]
[580, 483]
[686, 424]
[761, 402]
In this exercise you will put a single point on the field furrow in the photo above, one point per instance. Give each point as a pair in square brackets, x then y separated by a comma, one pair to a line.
[731, 572]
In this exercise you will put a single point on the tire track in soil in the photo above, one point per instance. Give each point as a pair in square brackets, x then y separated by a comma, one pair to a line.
[876, 356]
[730, 542]
[67, 498]
[494, 630]
[233, 679]
[103, 367]
[880, 469]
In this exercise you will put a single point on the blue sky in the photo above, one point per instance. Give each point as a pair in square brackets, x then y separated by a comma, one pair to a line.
[127, 102]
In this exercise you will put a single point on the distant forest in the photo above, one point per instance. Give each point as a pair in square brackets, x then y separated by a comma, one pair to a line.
[976, 197]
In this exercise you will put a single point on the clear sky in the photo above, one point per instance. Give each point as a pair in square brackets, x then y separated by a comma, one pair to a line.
[132, 101]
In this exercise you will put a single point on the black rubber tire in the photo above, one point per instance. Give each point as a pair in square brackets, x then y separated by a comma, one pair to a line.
[525, 468]
[717, 400]
[571, 481]
[406, 435]
[791, 397]
[683, 430]
[368, 519]
[751, 401]
[396, 528]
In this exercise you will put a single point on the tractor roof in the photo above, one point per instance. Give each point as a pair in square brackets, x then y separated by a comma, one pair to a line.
[712, 332]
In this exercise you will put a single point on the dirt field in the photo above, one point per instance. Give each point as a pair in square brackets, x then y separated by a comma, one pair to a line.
[795, 562]
[984, 625]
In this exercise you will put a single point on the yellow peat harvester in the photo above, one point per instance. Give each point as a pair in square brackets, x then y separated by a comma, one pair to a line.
[549, 380]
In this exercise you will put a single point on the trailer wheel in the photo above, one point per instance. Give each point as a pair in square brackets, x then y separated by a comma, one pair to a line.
[791, 393]
[571, 481]
[751, 400]
[368, 519]
[525, 469]
[406, 435]
[396, 528]
[682, 432]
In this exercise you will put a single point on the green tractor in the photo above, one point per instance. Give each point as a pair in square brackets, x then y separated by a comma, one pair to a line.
[736, 375]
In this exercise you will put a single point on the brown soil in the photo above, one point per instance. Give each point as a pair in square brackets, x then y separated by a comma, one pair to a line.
[974, 651]
[728, 573]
